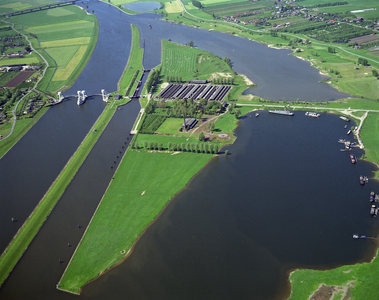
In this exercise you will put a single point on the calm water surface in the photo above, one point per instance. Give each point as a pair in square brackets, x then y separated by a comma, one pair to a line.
[286, 197]
[142, 6]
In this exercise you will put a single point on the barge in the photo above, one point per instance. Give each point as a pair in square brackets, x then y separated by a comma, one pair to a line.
[312, 114]
[343, 118]
[281, 112]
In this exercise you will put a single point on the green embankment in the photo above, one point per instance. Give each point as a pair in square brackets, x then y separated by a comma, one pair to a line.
[134, 64]
[32, 225]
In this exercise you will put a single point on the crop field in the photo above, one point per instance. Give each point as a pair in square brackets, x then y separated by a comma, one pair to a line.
[235, 8]
[77, 25]
[68, 34]
[178, 60]
[190, 63]
[12, 5]
[62, 55]
[64, 73]
[66, 42]
[173, 7]
[18, 79]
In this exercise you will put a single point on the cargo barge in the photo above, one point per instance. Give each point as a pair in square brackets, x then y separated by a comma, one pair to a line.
[312, 114]
[343, 118]
[281, 112]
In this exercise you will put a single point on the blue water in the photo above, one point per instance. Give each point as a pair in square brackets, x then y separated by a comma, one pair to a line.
[142, 6]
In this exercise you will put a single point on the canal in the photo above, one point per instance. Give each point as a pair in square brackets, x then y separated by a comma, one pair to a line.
[286, 197]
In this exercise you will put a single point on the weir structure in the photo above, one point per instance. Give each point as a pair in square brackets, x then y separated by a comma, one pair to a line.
[104, 95]
[81, 97]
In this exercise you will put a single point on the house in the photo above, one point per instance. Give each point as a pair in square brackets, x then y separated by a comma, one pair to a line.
[117, 97]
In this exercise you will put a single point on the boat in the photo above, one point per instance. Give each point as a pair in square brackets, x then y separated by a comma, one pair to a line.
[355, 236]
[373, 210]
[343, 118]
[361, 180]
[348, 132]
[372, 197]
[352, 158]
[256, 114]
[281, 112]
[312, 114]
[345, 126]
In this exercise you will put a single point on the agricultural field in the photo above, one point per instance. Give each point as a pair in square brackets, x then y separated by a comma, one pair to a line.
[14, 5]
[190, 63]
[173, 7]
[68, 35]
[235, 8]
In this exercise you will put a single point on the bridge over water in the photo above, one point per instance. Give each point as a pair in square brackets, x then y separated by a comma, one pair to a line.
[39, 8]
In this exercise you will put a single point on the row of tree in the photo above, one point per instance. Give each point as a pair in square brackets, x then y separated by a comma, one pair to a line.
[185, 147]
[362, 61]
[153, 78]
[197, 4]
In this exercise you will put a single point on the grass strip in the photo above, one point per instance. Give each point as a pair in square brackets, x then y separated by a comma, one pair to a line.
[31, 226]
[134, 62]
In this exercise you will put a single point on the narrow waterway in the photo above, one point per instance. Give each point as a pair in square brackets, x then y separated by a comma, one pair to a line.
[39, 270]
[285, 197]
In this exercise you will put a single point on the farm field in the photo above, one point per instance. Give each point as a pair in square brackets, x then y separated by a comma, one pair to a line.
[13, 5]
[234, 8]
[18, 79]
[68, 35]
[173, 7]
[170, 126]
[190, 63]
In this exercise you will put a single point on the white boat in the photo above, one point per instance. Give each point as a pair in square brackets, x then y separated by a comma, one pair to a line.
[312, 114]
[348, 132]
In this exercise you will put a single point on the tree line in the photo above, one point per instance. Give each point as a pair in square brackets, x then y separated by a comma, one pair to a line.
[205, 148]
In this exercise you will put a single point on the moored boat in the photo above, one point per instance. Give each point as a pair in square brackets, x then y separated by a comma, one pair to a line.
[373, 210]
[361, 180]
[343, 118]
[372, 197]
[281, 112]
[256, 114]
[352, 158]
[312, 114]
[348, 132]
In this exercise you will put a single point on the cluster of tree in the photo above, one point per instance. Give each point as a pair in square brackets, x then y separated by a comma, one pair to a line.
[273, 33]
[197, 4]
[170, 78]
[228, 61]
[185, 147]
[332, 50]
[9, 98]
[330, 4]
[362, 61]
[375, 73]
[190, 44]
[153, 78]
[151, 123]
[5, 28]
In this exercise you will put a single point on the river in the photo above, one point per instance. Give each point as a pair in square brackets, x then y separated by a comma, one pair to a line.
[234, 234]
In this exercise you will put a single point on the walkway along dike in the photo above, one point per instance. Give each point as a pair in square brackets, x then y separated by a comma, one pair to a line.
[37, 218]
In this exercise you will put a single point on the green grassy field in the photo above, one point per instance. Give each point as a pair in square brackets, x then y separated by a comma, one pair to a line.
[142, 186]
[134, 63]
[362, 276]
[68, 35]
[170, 126]
[14, 5]
[190, 63]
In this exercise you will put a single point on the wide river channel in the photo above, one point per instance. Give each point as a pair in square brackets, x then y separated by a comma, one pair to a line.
[285, 198]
